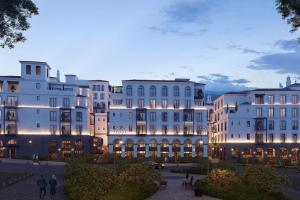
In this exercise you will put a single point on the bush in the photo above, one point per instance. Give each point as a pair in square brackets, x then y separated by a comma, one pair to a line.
[263, 179]
[89, 181]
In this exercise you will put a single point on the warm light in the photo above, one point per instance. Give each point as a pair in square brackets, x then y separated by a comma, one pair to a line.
[30, 141]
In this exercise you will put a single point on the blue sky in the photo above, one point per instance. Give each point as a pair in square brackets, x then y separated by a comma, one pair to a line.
[227, 44]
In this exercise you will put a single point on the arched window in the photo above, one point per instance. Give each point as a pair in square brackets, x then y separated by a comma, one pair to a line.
[164, 91]
[141, 91]
[129, 90]
[152, 91]
[176, 91]
[188, 91]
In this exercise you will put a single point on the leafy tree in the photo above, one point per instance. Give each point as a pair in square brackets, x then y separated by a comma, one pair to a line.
[13, 20]
[290, 10]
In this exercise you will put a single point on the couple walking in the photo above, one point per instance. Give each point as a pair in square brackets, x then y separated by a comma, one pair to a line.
[42, 183]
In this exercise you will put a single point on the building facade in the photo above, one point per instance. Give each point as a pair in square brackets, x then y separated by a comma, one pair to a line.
[260, 125]
[158, 119]
[101, 103]
[40, 114]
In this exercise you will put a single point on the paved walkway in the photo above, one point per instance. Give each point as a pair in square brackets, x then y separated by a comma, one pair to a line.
[27, 189]
[175, 191]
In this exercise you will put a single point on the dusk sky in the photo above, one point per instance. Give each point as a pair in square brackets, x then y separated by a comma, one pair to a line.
[227, 44]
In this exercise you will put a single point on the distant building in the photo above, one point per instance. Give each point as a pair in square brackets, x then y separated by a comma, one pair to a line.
[260, 124]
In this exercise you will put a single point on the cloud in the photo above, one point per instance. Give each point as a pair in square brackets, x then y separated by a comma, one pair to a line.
[244, 50]
[174, 30]
[222, 83]
[287, 61]
[189, 11]
[185, 18]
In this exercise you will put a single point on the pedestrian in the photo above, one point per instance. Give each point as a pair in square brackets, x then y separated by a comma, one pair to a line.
[52, 184]
[42, 185]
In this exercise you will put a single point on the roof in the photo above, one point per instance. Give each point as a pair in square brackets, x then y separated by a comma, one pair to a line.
[153, 80]
[38, 62]
[98, 81]
[10, 76]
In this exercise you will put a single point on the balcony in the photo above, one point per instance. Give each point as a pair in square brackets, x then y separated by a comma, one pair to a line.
[65, 130]
[187, 149]
[11, 116]
[152, 148]
[164, 149]
[176, 149]
[260, 124]
[259, 139]
[11, 130]
[141, 148]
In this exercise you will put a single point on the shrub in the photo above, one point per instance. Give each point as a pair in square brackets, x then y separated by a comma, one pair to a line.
[89, 181]
[263, 179]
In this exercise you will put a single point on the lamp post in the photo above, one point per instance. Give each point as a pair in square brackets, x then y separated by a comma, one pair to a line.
[59, 150]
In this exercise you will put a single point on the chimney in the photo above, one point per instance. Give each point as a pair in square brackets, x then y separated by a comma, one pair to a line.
[58, 75]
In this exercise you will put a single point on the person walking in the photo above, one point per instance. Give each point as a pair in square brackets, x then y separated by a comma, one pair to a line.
[42, 185]
[52, 184]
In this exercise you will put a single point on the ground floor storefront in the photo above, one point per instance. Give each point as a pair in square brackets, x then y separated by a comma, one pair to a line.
[164, 147]
[282, 154]
[46, 147]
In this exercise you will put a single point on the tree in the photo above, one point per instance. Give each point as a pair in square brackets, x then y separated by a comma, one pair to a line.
[13, 20]
[290, 11]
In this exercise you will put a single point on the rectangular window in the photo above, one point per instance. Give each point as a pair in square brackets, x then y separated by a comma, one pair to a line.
[187, 103]
[38, 98]
[295, 99]
[295, 138]
[164, 116]
[38, 70]
[295, 112]
[102, 96]
[248, 136]
[271, 99]
[271, 112]
[164, 103]
[176, 129]
[295, 125]
[129, 103]
[199, 117]
[141, 103]
[66, 102]
[282, 138]
[152, 103]
[259, 99]
[95, 96]
[176, 104]
[259, 112]
[283, 125]
[53, 129]
[78, 129]
[152, 116]
[152, 129]
[53, 115]
[271, 124]
[176, 116]
[248, 124]
[78, 116]
[52, 102]
[283, 99]
[38, 86]
[282, 112]
[28, 69]
[164, 129]
[271, 137]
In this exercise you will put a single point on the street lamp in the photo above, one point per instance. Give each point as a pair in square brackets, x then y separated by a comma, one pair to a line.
[59, 150]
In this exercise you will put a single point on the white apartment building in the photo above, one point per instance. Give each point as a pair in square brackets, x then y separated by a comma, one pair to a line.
[260, 124]
[158, 119]
[40, 114]
[101, 103]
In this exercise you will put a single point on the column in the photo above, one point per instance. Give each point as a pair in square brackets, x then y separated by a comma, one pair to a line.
[147, 151]
[135, 150]
[170, 151]
[181, 150]
[193, 151]
[205, 150]
[123, 155]
[158, 151]
[111, 148]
